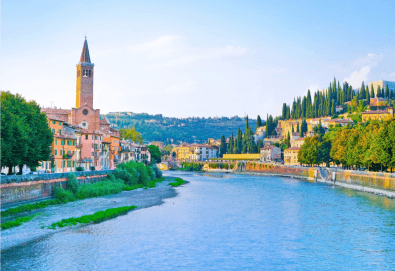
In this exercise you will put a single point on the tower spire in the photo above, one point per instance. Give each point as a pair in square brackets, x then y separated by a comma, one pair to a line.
[85, 57]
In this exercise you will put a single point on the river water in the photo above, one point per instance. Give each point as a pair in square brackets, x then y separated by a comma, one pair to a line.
[229, 222]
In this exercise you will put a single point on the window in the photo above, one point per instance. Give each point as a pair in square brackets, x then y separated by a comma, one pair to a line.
[62, 142]
[86, 136]
[53, 122]
[60, 131]
[53, 131]
[56, 142]
[56, 152]
[61, 152]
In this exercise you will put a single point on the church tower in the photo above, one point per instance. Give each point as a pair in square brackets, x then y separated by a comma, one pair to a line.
[85, 78]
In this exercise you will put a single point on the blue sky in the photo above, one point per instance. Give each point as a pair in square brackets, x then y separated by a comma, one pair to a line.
[189, 58]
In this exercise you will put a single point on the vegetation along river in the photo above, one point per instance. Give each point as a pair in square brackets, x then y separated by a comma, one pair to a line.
[229, 222]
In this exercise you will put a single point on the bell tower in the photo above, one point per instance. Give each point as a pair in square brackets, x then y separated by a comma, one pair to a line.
[85, 78]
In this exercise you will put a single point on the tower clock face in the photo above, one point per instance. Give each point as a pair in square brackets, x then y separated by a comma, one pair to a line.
[85, 112]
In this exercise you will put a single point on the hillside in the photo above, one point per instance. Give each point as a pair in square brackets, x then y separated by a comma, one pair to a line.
[166, 129]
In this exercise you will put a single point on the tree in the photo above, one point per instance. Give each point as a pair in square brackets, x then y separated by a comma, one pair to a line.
[309, 152]
[222, 146]
[258, 122]
[387, 93]
[372, 91]
[231, 144]
[155, 154]
[131, 134]
[303, 128]
[260, 145]
[25, 135]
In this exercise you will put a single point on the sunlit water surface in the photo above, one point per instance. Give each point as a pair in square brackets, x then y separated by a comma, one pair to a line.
[230, 222]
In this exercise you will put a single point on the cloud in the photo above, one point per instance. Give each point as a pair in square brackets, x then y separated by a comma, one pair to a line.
[357, 77]
[170, 51]
[392, 74]
[370, 60]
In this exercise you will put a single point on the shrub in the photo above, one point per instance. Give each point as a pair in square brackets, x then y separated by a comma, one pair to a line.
[158, 173]
[124, 175]
[178, 182]
[105, 187]
[79, 169]
[17, 222]
[150, 173]
[62, 195]
[92, 168]
[72, 183]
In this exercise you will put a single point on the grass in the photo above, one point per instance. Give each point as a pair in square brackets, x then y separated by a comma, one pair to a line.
[95, 218]
[178, 182]
[17, 222]
[30, 207]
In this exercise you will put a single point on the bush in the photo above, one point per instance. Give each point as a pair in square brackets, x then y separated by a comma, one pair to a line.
[92, 168]
[62, 195]
[124, 175]
[150, 173]
[158, 173]
[72, 183]
[105, 187]
[79, 169]
[178, 182]
[17, 222]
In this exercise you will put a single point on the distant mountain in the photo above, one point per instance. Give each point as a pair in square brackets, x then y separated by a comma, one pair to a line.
[165, 129]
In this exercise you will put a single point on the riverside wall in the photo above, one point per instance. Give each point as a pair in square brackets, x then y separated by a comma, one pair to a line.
[16, 189]
[373, 182]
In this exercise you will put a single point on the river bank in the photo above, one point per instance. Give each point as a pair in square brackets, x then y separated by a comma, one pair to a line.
[312, 176]
[33, 230]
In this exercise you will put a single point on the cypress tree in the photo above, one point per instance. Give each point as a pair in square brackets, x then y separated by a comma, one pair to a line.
[258, 122]
[392, 94]
[379, 94]
[372, 91]
[387, 93]
[231, 144]
[222, 146]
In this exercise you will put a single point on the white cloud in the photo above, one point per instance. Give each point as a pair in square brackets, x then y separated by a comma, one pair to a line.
[357, 77]
[170, 51]
[392, 74]
[370, 60]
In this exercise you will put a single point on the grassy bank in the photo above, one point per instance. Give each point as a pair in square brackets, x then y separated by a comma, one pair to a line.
[17, 222]
[178, 182]
[94, 218]
[127, 177]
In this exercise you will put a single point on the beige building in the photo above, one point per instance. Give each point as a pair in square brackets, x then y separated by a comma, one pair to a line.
[382, 84]
[291, 156]
[270, 153]
[378, 115]
[297, 142]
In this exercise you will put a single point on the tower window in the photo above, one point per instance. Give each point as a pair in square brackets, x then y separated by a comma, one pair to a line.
[89, 73]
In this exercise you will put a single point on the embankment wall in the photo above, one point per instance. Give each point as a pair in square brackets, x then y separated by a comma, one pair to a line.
[16, 189]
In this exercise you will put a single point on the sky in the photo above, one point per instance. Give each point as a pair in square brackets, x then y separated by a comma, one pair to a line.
[194, 58]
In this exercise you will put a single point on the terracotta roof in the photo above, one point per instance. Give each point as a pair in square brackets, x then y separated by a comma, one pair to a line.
[376, 112]
[64, 137]
[56, 111]
[268, 147]
[85, 57]
[54, 118]
[293, 149]
[299, 139]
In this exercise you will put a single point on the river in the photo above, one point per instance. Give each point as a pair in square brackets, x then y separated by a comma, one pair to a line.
[229, 222]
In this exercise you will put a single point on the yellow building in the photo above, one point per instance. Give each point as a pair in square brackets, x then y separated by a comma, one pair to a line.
[378, 115]
[244, 156]
[291, 156]
[183, 153]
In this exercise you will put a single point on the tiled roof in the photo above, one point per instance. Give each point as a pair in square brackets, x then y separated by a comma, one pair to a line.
[376, 112]
[293, 149]
[56, 111]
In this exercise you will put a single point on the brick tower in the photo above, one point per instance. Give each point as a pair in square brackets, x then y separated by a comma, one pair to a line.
[85, 78]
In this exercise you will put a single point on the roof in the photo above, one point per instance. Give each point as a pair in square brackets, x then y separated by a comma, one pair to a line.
[268, 147]
[56, 111]
[54, 118]
[376, 112]
[85, 57]
[293, 149]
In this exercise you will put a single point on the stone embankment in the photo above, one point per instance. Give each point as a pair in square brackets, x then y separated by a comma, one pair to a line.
[378, 183]
[22, 188]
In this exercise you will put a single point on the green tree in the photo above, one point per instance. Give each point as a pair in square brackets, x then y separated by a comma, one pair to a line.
[258, 122]
[309, 152]
[372, 91]
[25, 135]
[222, 146]
[387, 93]
[155, 154]
[131, 134]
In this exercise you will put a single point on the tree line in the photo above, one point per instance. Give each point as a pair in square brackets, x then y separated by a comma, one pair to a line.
[324, 103]
[366, 145]
[25, 135]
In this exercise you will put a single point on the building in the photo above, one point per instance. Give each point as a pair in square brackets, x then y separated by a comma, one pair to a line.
[327, 123]
[376, 101]
[244, 156]
[291, 156]
[339, 109]
[382, 84]
[378, 114]
[297, 142]
[260, 133]
[203, 153]
[270, 153]
[183, 153]
[81, 137]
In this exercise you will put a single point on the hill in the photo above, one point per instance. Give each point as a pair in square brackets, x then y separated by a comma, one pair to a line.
[167, 129]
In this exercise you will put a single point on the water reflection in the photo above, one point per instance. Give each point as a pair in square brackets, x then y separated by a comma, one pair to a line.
[232, 222]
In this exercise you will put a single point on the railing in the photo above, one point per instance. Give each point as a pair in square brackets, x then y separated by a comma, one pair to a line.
[50, 176]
